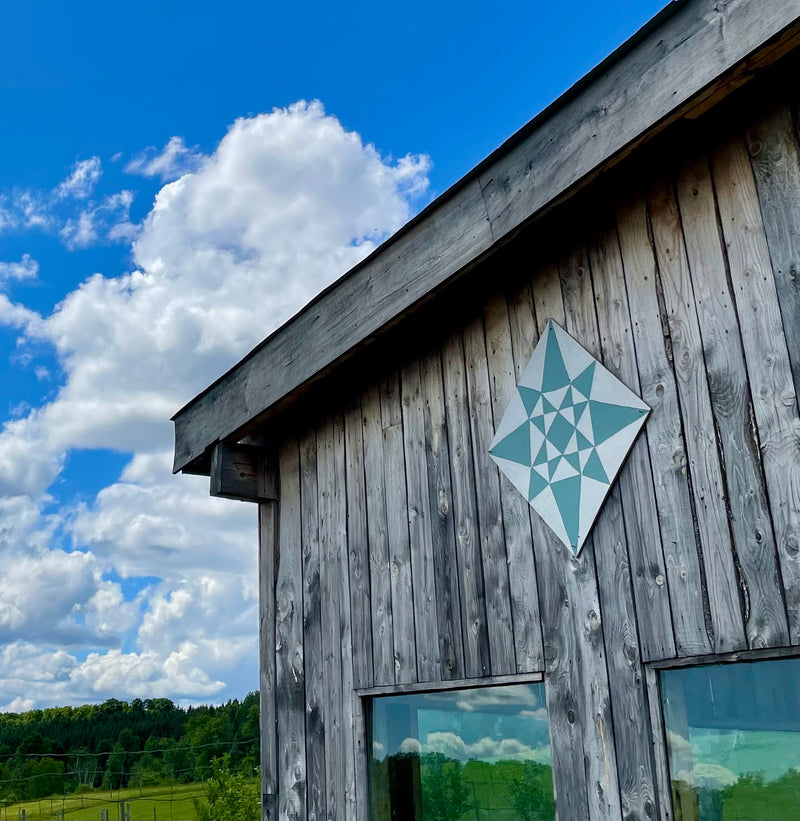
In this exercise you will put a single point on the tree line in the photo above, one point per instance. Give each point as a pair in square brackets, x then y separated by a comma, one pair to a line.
[62, 750]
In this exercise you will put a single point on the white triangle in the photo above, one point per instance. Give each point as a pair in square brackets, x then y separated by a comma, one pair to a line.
[585, 425]
[583, 457]
[564, 471]
[548, 420]
[537, 408]
[569, 415]
[577, 396]
[572, 445]
[552, 451]
[543, 471]
[556, 397]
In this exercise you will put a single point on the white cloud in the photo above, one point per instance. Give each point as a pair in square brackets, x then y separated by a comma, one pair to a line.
[81, 181]
[174, 160]
[287, 202]
[452, 745]
[26, 268]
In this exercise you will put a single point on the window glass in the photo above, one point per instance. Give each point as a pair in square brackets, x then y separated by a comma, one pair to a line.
[481, 753]
[733, 736]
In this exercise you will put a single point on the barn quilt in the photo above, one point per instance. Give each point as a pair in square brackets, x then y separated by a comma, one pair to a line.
[565, 434]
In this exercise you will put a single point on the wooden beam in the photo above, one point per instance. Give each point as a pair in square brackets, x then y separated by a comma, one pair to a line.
[656, 77]
[243, 472]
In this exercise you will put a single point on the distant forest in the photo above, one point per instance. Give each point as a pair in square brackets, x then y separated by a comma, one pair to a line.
[62, 750]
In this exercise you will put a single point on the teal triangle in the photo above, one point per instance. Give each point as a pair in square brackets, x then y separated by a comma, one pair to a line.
[583, 442]
[539, 422]
[567, 494]
[609, 419]
[594, 468]
[583, 382]
[568, 401]
[541, 456]
[537, 485]
[529, 398]
[579, 407]
[555, 372]
[547, 407]
[572, 458]
[516, 447]
[552, 465]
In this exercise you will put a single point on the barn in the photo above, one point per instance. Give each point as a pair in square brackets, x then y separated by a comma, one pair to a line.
[528, 477]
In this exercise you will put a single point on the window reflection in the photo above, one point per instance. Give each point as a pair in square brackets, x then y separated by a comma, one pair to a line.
[733, 736]
[481, 753]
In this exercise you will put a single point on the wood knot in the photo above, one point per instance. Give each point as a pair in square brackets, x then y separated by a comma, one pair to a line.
[571, 716]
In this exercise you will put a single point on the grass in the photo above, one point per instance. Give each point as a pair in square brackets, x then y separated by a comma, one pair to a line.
[173, 804]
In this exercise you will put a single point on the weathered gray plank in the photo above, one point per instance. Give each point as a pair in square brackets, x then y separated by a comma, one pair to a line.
[490, 516]
[766, 356]
[379, 569]
[361, 758]
[440, 505]
[451, 684]
[774, 157]
[289, 668]
[664, 811]
[358, 548]
[664, 433]
[330, 505]
[419, 526]
[312, 631]
[701, 440]
[394, 477]
[648, 571]
[267, 548]
[516, 517]
[468, 549]
[636, 95]
[625, 670]
[576, 679]
[730, 396]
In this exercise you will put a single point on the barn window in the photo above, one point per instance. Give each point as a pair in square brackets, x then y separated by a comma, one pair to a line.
[480, 753]
[733, 737]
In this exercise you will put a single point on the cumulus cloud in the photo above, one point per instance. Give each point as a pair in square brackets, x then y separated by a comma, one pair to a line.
[174, 160]
[287, 202]
[452, 745]
[26, 268]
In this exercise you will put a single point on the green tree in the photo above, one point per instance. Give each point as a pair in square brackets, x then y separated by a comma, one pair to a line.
[532, 792]
[230, 796]
[444, 793]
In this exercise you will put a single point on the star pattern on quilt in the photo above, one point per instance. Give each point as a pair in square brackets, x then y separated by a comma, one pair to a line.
[565, 434]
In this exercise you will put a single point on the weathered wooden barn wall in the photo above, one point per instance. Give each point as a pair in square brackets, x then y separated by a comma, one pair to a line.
[398, 553]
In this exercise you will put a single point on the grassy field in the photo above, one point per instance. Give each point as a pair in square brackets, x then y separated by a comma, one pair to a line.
[160, 803]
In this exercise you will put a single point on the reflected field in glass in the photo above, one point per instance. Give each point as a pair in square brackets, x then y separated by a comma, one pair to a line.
[733, 736]
[479, 753]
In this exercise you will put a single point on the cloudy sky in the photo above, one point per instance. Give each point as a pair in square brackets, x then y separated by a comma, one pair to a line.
[176, 180]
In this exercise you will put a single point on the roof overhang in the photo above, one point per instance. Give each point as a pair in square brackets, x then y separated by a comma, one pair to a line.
[683, 61]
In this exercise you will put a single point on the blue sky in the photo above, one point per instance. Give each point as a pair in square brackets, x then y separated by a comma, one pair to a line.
[167, 199]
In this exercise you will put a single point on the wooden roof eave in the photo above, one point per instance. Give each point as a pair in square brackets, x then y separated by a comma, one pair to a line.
[683, 60]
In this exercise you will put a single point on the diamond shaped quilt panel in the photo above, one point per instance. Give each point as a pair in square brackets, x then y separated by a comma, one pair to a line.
[565, 434]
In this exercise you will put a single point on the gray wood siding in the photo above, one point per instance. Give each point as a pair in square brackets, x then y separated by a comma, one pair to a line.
[412, 560]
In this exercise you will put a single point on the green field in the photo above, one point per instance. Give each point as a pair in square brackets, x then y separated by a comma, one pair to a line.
[161, 803]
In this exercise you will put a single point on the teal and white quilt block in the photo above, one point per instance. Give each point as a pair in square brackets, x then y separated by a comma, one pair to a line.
[565, 434]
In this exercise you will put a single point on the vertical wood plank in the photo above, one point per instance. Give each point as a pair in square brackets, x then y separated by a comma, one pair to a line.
[440, 505]
[576, 679]
[312, 631]
[379, 569]
[766, 356]
[289, 668]
[664, 434]
[706, 471]
[468, 549]
[419, 525]
[729, 391]
[648, 568]
[358, 548]
[625, 670]
[659, 745]
[774, 157]
[490, 516]
[267, 548]
[394, 477]
[516, 518]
